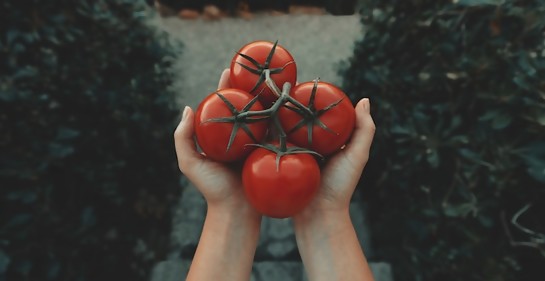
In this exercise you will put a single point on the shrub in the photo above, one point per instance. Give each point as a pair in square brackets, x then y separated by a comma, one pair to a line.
[88, 171]
[458, 95]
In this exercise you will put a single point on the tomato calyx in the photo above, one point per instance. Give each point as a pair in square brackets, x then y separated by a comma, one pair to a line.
[311, 116]
[262, 70]
[239, 119]
[282, 150]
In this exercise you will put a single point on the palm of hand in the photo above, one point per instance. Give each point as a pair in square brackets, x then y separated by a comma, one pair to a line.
[220, 184]
[217, 182]
[339, 179]
[342, 172]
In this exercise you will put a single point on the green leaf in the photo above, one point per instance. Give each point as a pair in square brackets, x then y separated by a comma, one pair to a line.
[11, 35]
[526, 66]
[533, 156]
[486, 221]
[501, 121]
[489, 115]
[23, 267]
[541, 119]
[477, 2]
[18, 220]
[432, 157]
[64, 133]
[26, 197]
[460, 210]
[469, 154]
[88, 217]
[457, 140]
[533, 148]
[521, 82]
[402, 130]
[58, 150]
[25, 72]
[429, 212]
[4, 262]
[53, 270]
[537, 172]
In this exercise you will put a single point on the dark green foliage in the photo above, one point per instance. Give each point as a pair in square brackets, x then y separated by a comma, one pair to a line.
[87, 164]
[458, 95]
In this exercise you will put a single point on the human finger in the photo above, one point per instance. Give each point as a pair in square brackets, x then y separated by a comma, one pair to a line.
[364, 131]
[224, 79]
[184, 143]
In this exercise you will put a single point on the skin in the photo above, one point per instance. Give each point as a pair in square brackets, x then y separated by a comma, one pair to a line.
[324, 232]
[325, 235]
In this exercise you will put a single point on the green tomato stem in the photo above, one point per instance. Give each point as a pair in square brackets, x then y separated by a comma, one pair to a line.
[270, 83]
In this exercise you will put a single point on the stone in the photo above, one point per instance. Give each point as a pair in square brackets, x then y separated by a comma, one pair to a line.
[358, 216]
[189, 14]
[306, 10]
[212, 12]
[277, 238]
[382, 271]
[243, 11]
[274, 271]
[279, 249]
[177, 269]
[188, 218]
[170, 270]
[278, 228]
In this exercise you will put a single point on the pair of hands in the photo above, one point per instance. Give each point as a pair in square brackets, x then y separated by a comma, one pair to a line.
[221, 186]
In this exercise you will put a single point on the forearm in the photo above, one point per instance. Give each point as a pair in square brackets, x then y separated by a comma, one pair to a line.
[227, 246]
[329, 247]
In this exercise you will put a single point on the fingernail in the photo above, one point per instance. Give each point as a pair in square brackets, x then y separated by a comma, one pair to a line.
[186, 111]
[366, 104]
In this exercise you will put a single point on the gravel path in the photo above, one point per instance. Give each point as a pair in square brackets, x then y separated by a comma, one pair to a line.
[319, 45]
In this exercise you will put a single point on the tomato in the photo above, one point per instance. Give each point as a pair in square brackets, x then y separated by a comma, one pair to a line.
[248, 64]
[324, 130]
[219, 135]
[280, 191]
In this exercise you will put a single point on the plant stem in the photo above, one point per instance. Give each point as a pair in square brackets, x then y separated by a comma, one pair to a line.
[270, 83]
[281, 134]
[300, 105]
[284, 95]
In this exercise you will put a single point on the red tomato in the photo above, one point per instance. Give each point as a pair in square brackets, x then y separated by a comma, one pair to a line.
[329, 129]
[248, 64]
[214, 135]
[280, 192]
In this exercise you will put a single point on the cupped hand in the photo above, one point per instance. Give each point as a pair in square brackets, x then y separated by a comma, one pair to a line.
[342, 172]
[219, 183]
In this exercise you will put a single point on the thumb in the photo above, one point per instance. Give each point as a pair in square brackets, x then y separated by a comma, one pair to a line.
[184, 143]
[224, 79]
[360, 144]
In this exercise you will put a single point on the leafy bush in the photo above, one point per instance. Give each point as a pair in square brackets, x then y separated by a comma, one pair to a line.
[88, 171]
[458, 95]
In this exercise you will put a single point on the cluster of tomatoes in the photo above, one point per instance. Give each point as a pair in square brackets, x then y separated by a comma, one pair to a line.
[279, 132]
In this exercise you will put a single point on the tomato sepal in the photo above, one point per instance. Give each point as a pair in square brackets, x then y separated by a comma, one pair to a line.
[311, 116]
[283, 150]
[239, 121]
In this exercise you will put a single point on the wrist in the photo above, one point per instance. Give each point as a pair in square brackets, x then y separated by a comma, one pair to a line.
[322, 221]
[240, 212]
[228, 241]
[329, 246]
